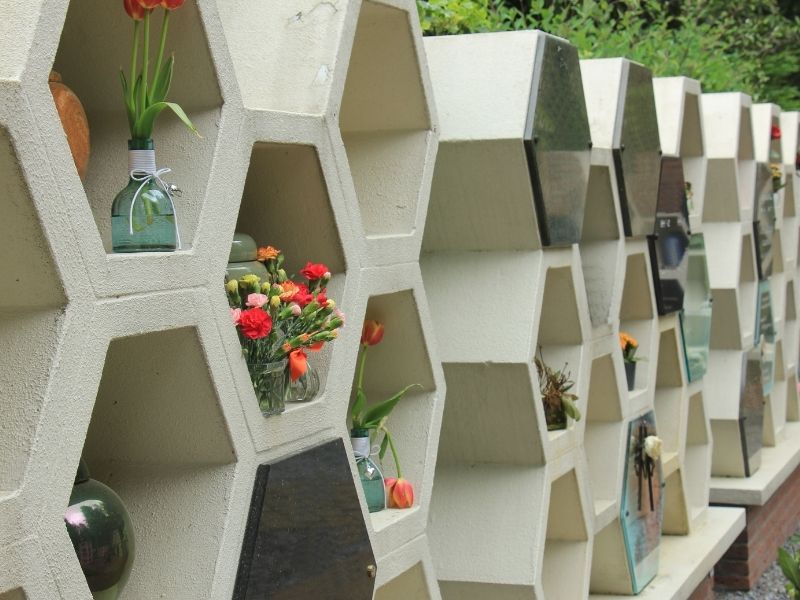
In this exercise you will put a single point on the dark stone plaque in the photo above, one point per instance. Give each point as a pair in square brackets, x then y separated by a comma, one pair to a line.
[765, 336]
[751, 409]
[697, 309]
[642, 508]
[637, 160]
[558, 142]
[668, 247]
[764, 220]
[306, 536]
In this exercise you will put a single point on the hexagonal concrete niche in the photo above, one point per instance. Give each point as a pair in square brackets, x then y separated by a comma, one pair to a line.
[491, 380]
[411, 583]
[638, 318]
[697, 456]
[98, 33]
[287, 55]
[32, 304]
[670, 393]
[790, 331]
[387, 119]
[177, 486]
[514, 497]
[286, 197]
[764, 117]
[789, 228]
[790, 136]
[541, 129]
[622, 116]
[565, 564]
[605, 431]
[609, 572]
[680, 128]
[406, 355]
[733, 284]
[731, 178]
[775, 407]
[562, 327]
[602, 248]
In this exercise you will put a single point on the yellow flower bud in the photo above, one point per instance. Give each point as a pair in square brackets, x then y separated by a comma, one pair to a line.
[275, 301]
[331, 304]
[232, 286]
[251, 280]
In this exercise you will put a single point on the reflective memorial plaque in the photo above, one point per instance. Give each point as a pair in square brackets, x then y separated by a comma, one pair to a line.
[558, 142]
[668, 247]
[765, 336]
[637, 160]
[642, 508]
[751, 410]
[764, 220]
[696, 314]
[305, 535]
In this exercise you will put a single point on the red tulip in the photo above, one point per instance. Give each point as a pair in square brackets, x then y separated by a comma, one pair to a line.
[775, 132]
[372, 333]
[297, 364]
[149, 4]
[134, 9]
[172, 4]
[399, 493]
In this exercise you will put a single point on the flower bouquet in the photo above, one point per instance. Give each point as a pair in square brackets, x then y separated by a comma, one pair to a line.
[559, 404]
[629, 346]
[277, 320]
[369, 421]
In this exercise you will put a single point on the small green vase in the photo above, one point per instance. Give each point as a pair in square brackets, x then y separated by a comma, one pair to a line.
[369, 473]
[102, 535]
[151, 225]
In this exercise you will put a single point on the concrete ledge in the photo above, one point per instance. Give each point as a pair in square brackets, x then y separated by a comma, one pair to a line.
[777, 463]
[685, 561]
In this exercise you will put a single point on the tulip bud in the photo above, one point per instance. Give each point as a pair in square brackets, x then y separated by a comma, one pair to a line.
[402, 494]
[171, 4]
[372, 333]
[389, 484]
[134, 9]
[149, 4]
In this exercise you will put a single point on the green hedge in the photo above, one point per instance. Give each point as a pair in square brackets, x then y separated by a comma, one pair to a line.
[728, 45]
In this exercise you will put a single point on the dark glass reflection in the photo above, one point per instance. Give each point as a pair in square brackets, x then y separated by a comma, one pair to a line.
[696, 314]
[642, 504]
[558, 143]
[765, 336]
[764, 220]
[751, 409]
[669, 246]
[306, 536]
[638, 158]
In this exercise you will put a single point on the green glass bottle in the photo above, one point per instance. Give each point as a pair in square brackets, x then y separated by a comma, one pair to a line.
[143, 214]
[369, 473]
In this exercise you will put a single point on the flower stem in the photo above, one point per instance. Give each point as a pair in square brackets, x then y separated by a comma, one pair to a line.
[164, 28]
[145, 64]
[361, 362]
[394, 452]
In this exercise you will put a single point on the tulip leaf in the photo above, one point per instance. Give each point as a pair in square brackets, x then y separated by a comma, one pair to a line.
[377, 412]
[162, 82]
[384, 446]
[144, 125]
[358, 408]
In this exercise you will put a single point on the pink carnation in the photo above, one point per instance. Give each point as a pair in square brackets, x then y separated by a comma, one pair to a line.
[257, 300]
[236, 314]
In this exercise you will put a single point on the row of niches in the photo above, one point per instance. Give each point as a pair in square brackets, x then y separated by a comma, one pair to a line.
[386, 151]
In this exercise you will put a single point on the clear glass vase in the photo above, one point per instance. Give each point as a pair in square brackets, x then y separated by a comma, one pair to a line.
[271, 385]
[305, 388]
[150, 226]
[368, 472]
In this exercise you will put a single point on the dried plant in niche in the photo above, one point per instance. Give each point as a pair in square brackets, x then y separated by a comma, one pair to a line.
[559, 403]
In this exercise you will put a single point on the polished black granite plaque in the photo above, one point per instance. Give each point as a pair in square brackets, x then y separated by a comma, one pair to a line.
[642, 508]
[305, 535]
[751, 408]
[668, 247]
[764, 220]
[558, 142]
[637, 160]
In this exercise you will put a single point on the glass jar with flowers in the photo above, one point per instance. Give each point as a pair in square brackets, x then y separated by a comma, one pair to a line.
[559, 403]
[629, 347]
[277, 320]
[366, 423]
[143, 215]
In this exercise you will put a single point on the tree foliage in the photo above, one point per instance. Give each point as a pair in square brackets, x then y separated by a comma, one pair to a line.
[751, 46]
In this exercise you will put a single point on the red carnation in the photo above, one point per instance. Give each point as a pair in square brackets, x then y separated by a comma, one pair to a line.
[255, 323]
[303, 296]
[315, 271]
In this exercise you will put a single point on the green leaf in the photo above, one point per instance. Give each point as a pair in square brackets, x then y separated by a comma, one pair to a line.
[384, 446]
[789, 567]
[144, 125]
[378, 411]
[162, 81]
[570, 409]
[358, 408]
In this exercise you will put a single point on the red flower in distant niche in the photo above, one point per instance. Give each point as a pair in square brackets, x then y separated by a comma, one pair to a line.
[775, 132]
[315, 271]
[255, 323]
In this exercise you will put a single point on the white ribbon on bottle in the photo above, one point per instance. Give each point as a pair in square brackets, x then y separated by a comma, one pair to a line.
[142, 166]
[362, 451]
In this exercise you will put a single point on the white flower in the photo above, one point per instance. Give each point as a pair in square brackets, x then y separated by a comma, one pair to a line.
[652, 446]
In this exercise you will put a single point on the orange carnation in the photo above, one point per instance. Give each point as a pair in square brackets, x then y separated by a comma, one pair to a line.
[266, 253]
